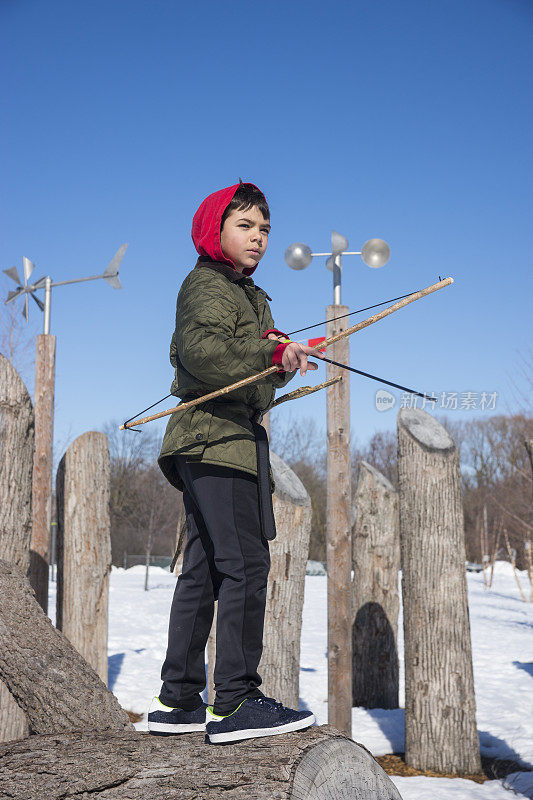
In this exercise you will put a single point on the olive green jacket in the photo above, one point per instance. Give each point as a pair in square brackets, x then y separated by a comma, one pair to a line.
[220, 318]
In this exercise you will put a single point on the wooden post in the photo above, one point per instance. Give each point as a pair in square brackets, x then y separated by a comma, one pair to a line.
[84, 547]
[280, 664]
[376, 562]
[42, 466]
[339, 546]
[16, 466]
[440, 707]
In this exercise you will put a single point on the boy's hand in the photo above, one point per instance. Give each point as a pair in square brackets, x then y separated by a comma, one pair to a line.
[295, 356]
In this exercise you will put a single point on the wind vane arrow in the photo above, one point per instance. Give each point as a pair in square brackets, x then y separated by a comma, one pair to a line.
[275, 368]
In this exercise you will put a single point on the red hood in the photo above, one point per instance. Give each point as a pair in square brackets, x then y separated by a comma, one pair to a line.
[206, 226]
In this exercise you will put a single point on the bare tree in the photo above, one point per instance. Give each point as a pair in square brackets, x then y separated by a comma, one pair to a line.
[156, 510]
[497, 483]
[302, 445]
[381, 453]
[521, 381]
[17, 337]
[145, 508]
[495, 475]
[297, 438]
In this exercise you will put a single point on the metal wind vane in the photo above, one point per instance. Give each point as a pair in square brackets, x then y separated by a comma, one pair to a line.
[404, 301]
[28, 289]
[24, 288]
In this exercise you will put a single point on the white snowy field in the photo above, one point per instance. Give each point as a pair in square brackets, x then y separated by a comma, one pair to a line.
[502, 640]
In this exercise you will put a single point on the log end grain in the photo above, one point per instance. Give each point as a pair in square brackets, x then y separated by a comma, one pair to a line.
[378, 476]
[340, 769]
[425, 429]
[288, 485]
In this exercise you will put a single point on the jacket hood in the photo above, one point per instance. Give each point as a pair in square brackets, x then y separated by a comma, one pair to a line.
[206, 226]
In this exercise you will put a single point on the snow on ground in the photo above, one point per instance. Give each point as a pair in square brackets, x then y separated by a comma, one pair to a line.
[502, 641]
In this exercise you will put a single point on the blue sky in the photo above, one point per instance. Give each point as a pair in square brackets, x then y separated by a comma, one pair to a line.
[409, 121]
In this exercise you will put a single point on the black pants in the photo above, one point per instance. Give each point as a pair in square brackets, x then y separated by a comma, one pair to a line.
[226, 558]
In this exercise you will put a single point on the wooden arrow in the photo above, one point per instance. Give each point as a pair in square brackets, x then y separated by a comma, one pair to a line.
[303, 391]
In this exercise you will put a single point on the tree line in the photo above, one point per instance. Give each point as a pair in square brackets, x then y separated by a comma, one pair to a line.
[496, 472]
[496, 468]
[146, 511]
[496, 475]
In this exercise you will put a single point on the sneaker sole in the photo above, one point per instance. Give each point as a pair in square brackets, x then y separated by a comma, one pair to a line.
[253, 733]
[166, 727]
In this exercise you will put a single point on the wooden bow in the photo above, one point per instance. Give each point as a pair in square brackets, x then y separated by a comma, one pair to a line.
[275, 368]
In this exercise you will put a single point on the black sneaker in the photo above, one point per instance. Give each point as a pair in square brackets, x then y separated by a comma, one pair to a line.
[164, 720]
[258, 716]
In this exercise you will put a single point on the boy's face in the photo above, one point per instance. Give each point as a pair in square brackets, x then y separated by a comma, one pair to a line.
[244, 237]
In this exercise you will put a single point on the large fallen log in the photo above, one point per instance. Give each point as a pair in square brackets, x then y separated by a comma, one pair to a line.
[90, 750]
[48, 678]
[317, 764]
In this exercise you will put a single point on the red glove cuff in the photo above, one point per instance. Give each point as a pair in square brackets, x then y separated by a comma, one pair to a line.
[273, 330]
[277, 355]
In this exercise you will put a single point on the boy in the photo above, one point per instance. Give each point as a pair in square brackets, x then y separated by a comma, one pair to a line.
[216, 453]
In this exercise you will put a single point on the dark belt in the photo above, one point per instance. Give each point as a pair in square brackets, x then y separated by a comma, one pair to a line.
[266, 510]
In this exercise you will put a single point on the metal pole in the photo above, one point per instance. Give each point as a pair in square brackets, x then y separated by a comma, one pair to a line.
[47, 304]
[78, 280]
[339, 540]
[337, 272]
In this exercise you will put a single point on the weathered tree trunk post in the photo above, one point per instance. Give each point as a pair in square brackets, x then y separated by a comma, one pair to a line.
[45, 353]
[376, 563]
[280, 663]
[84, 547]
[50, 680]
[440, 708]
[339, 544]
[16, 467]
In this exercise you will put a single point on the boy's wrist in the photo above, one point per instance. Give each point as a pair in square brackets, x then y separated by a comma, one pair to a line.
[277, 355]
